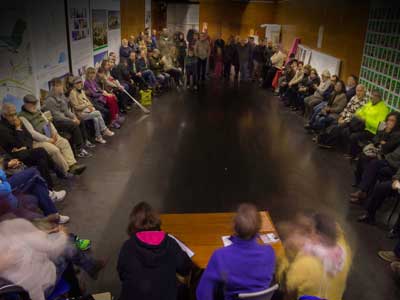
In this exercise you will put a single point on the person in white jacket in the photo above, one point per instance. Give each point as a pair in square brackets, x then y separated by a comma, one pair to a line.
[28, 255]
[45, 136]
[318, 96]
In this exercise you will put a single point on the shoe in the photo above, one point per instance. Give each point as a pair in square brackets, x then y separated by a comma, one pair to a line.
[388, 256]
[100, 140]
[315, 139]
[77, 169]
[98, 266]
[395, 266]
[366, 219]
[307, 126]
[360, 195]
[108, 132]
[63, 219]
[393, 234]
[57, 196]
[82, 244]
[84, 154]
[89, 144]
[121, 119]
[324, 146]
[115, 125]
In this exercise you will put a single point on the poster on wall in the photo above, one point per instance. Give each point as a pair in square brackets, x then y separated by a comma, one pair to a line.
[80, 36]
[147, 14]
[98, 58]
[49, 42]
[16, 76]
[114, 20]
[114, 31]
[99, 29]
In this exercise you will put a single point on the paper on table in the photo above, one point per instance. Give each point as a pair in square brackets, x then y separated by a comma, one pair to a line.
[185, 248]
[226, 240]
[269, 238]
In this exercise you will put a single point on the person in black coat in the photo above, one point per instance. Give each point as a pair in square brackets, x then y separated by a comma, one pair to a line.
[17, 142]
[150, 259]
[231, 57]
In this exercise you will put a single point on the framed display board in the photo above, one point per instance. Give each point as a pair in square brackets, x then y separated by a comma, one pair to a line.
[380, 66]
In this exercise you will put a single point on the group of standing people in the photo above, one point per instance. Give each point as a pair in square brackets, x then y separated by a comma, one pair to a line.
[197, 56]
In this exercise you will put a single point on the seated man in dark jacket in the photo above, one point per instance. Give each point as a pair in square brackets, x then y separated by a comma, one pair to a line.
[134, 71]
[65, 120]
[18, 143]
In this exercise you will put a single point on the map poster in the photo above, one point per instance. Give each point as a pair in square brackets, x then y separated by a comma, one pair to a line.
[16, 71]
[99, 28]
[80, 36]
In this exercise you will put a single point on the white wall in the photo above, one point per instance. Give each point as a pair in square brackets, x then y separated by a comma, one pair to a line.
[182, 17]
[29, 62]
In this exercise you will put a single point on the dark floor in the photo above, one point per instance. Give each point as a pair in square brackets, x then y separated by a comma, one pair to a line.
[209, 151]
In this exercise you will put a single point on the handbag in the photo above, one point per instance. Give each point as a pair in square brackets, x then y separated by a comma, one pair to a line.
[146, 97]
[371, 151]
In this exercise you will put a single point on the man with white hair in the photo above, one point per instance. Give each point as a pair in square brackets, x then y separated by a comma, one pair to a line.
[318, 96]
[332, 136]
[17, 142]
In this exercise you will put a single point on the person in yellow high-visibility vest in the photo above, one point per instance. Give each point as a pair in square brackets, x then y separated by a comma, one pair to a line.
[365, 122]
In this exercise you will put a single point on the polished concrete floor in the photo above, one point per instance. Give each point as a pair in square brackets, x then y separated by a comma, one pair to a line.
[209, 151]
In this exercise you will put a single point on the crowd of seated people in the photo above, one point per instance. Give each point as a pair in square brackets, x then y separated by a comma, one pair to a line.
[317, 255]
[345, 116]
[79, 113]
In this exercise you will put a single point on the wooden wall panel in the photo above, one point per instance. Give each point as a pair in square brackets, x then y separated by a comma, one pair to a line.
[344, 22]
[228, 17]
[132, 17]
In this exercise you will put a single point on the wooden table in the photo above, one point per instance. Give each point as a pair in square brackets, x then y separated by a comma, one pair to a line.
[202, 232]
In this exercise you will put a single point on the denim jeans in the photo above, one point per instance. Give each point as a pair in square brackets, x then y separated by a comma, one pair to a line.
[98, 121]
[29, 182]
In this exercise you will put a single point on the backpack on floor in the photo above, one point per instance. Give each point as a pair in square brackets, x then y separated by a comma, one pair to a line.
[146, 97]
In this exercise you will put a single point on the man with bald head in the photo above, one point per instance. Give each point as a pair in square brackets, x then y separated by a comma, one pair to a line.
[334, 132]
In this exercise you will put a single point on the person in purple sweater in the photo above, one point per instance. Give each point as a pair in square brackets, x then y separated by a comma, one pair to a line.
[243, 267]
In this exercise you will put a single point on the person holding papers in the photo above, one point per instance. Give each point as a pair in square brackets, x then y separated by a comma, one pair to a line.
[243, 267]
[150, 259]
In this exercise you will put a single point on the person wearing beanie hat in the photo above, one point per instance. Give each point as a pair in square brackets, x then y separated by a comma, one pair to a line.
[85, 110]
[45, 136]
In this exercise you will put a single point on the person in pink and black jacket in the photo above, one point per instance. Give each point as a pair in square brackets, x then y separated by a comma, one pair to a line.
[149, 260]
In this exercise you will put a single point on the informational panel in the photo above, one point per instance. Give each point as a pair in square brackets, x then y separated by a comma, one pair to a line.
[80, 36]
[380, 66]
[114, 31]
[322, 61]
[303, 54]
[16, 71]
[49, 42]
[272, 32]
[106, 28]
[147, 14]
[182, 17]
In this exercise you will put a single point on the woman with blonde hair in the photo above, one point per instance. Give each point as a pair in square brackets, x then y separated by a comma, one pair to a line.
[318, 258]
[171, 66]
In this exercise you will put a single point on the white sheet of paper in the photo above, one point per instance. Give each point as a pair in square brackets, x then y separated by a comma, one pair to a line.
[226, 240]
[269, 238]
[185, 248]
